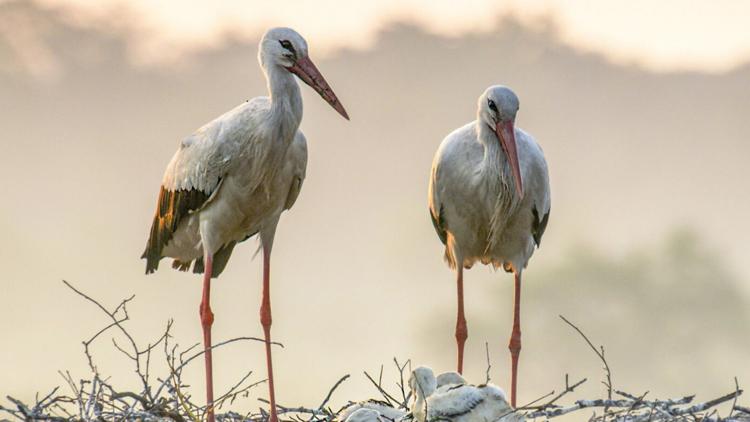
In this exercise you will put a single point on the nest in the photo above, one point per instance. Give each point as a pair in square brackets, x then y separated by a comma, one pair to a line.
[168, 397]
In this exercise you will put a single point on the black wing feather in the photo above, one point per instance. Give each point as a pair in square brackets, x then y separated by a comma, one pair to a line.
[172, 208]
[438, 223]
[539, 226]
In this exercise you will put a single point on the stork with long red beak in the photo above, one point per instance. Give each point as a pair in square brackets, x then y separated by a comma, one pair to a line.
[489, 200]
[232, 179]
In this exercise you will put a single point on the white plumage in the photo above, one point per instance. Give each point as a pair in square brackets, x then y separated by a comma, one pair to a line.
[448, 379]
[489, 200]
[457, 402]
[250, 181]
[243, 168]
[366, 415]
[233, 178]
[472, 191]
[369, 410]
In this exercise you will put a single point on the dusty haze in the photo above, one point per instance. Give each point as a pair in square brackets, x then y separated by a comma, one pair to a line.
[645, 247]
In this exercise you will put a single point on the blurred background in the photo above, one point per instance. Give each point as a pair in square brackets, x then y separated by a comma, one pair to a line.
[641, 109]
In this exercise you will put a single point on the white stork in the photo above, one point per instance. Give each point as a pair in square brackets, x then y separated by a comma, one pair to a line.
[457, 402]
[233, 178]
[489, 200]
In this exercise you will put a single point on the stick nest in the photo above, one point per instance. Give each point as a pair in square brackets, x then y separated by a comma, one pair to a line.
[168, 397]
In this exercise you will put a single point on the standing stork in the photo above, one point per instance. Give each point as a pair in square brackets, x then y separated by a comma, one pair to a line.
[489, 200]
[233, 178]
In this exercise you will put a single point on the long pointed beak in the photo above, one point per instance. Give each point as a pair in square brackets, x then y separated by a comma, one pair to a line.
[306, 70]
[506, 134]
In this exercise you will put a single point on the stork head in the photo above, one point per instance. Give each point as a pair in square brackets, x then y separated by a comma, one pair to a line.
[422, 382]
[285, 48]
[498, 106]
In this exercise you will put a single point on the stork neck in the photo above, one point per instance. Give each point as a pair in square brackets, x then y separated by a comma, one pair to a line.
[286, 101]
[495, 166]
[419, 408]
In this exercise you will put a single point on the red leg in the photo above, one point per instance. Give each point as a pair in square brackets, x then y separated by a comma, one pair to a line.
[265, 320]
[207, 319]
[462, 333]
[515, 338]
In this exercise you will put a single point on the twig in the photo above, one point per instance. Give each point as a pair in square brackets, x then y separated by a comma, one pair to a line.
[487, 353]
[330, 392]
[599, 353]
[385, 394]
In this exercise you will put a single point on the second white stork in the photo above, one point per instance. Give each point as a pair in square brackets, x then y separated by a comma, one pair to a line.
[457, 402]
[233, 178]
[489, 200]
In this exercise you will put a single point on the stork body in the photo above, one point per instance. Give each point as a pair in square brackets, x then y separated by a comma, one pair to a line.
[489, 200]
[233, 178]
[459, 402]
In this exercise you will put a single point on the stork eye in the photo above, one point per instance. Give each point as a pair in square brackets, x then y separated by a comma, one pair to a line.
[288, 46]
[492, 105]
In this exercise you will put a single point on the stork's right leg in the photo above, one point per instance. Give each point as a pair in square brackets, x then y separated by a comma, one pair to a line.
[462, 333]
[515, 338]
[207, 319]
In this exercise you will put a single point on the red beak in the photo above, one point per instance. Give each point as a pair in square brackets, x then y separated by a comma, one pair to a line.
[306, 70]
[506, 134]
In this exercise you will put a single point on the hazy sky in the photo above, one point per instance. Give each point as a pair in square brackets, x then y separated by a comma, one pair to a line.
[661, 35]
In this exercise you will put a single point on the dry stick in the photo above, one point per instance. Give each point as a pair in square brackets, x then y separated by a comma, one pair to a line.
[637, 402]
[401, 384]
[664, 408]
[568, 389]
[734, 402]
[580, 404]
[608, 373]
[180, 400]
[707, 405]
[197, 354]
[47, 397]
[235, 391]
[122, 306]
[487, 352]
[285, 409]
[385, 394]
[330, 392]
[380, 376]
[29, 414]
[184, 401]
[663, 403]
[76, 393]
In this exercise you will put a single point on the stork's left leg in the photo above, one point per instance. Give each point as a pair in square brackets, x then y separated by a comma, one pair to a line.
[265, 320]
[207, 319]
[462, 333]
[515, 337]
